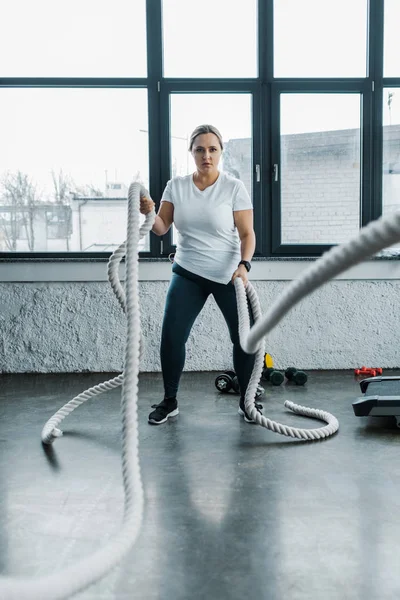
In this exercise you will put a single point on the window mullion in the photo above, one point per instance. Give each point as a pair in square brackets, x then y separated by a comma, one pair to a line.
[154, 68]
[376, 76]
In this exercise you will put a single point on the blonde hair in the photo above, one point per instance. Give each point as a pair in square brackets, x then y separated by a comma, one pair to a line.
[205, 129]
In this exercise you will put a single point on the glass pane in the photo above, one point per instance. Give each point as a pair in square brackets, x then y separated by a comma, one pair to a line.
[391, 66]
[73, 39]
[320, 39]
[217, 41]
[231, 114]
[67, 158]
[391, 150]
[320, 168]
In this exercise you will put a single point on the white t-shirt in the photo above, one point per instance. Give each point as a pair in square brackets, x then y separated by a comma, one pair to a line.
[208, 241]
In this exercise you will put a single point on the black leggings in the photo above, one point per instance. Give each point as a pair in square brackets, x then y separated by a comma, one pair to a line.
[186, 297]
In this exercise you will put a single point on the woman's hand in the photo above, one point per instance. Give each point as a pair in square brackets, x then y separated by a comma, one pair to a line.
[146, 205]
[241, 272]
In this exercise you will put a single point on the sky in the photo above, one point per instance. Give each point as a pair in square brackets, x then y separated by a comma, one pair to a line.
[97, 134]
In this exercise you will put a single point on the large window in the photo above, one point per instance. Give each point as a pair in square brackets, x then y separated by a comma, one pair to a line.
[391, 149]
[320, 39]
[94, 38]
[95, 95]
[67, 157]
[214, 40]
[392, 39]
[319, 168]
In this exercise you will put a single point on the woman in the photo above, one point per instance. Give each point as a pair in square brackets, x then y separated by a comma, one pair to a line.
[213, 214]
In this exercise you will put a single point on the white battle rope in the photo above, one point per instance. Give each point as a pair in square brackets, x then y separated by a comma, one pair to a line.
[79, 576]
[249, 400]
[374, 237]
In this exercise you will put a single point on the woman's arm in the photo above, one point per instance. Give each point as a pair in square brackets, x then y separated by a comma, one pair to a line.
[164, 217]
[244, 222]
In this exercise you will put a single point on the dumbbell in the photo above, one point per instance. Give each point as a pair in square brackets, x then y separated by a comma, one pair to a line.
[272, 375]
[269, 373]
[224, 382]
[228, 380]
[298, 377]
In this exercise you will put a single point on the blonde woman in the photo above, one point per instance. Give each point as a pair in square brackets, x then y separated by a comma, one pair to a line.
[213, 215]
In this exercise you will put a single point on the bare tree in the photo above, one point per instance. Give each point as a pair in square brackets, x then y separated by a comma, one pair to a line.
[88, 191]
[18, 196]
[63, 187]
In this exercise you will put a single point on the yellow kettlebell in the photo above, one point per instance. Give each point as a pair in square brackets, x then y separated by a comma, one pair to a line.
[268, 361]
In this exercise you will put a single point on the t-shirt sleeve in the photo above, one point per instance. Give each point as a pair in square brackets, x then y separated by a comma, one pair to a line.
[241, 198]
[167, 195]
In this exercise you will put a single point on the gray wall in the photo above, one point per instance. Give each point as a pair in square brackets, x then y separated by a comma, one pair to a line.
[69, 327]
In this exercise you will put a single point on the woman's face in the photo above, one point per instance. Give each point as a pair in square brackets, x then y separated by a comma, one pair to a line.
[206, 152]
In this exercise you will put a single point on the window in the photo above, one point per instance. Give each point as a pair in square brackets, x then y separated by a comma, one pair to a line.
[214, 40]
[67, 158]
[320, 168]
[391, 39]
[320, 39]
[73, 39]
[96, 95]
[391, 149]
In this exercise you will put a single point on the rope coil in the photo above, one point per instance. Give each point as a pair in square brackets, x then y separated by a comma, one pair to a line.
[79, 576]
[249, 400]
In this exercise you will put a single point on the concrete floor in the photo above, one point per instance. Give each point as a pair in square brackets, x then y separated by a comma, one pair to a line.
[232, 510]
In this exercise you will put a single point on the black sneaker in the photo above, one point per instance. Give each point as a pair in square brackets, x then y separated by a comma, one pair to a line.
[244, 414]
[162, 412]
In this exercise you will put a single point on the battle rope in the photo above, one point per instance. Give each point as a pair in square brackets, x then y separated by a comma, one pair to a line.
[79, 576]
[374, 237]
[244, 327]
[50, 430]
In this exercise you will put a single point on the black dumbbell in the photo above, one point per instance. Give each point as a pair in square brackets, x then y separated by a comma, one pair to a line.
[298, 377]
[235, 382]
[272, 375]
[227, 381]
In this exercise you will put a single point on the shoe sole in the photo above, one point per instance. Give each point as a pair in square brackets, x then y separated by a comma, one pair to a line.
[171, 414]
[243, 414]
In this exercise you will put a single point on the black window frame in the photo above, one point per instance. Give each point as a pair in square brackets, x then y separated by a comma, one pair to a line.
[359, 87]
[265, 90]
